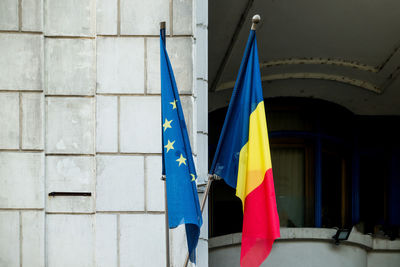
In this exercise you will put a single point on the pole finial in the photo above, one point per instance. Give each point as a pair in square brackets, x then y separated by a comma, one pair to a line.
[162, 25]
[256, 19]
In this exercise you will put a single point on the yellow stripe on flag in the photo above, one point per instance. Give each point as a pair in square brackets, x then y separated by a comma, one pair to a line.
[255, 157]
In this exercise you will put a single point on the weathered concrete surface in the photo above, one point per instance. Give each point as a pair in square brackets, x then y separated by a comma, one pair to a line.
[9, 15]
[135, 242]
[9, 238]
[120, 65]
[107, 16]
[21, 180]
[143, 17]
[70, 66]
[32, 107]
[70, 240]
[9, 122]
[106, 240]
[120, 183]
[32, 15]
[155, 200]
[139, 134]
[70, 125]
[33, 252]
[70, 174]
[21, 58]
[58, 16]
[182, 23]
[107, 124]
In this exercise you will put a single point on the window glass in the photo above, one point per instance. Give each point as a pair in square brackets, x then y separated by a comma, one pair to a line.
[288, 169]
[331, 190]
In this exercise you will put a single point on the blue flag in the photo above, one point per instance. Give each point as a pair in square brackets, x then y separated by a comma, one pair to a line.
[178, 165]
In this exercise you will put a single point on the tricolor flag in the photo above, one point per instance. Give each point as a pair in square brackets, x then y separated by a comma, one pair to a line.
[243, 160]
[178, 165]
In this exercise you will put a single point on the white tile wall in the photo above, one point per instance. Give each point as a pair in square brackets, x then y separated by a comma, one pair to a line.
[9, 123]
[142, 240]
[9, 238]
[140, 124]
[120, 183]
[70, 240]
[70, 125]
[70, 66]
[21, 180]
[143, 17]
[107, 124]
[120, 65]
[32, 107]
[22, 54]
[58, 16]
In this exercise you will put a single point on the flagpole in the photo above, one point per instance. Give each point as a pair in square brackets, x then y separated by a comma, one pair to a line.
[163, 178]
[167, 257]
[211, 177]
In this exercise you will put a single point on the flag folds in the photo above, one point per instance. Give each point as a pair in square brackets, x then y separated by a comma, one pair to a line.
[243, 160]
[178, 165]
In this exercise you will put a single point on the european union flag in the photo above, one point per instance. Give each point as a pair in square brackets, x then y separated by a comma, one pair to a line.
[178, 165]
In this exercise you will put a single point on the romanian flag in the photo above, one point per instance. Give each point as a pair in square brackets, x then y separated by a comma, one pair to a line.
[243, 160]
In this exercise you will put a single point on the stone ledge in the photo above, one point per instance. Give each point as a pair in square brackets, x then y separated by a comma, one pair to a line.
[315, 234]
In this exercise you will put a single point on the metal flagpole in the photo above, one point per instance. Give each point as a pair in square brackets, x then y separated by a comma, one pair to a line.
[255, 20]
[203, 203]
[166, 223]
[163, 178]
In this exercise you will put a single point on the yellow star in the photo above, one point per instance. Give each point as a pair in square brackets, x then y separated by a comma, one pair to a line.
[169, 145]
[181, 160]
[167, 124]
[193, 177]
[173, 103]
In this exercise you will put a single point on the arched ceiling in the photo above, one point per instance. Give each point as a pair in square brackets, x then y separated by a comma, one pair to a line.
[344, 51]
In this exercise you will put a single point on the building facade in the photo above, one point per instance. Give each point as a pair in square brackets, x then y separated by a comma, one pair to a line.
[80, 113]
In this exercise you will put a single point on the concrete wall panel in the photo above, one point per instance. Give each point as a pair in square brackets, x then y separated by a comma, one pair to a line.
[120, 183]
[70, 174]
[297, 253]
[106, 240]
[383, 259]
[33, 253]
[155, 200]
[143, 17]
[70, 125]
[22, 56]
[32, 15]
[107, 16]
[58, 14]
[182, 22]
[9, 123]
[9, 238]
[107, 124]
[140, 124]
[120, 65]
[21, 180]
[9, 15]
[142, 240]
[70, 66]
[32, 107]
[70, 240]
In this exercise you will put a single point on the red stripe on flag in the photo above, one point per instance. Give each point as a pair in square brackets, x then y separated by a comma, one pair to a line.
[260, 223]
